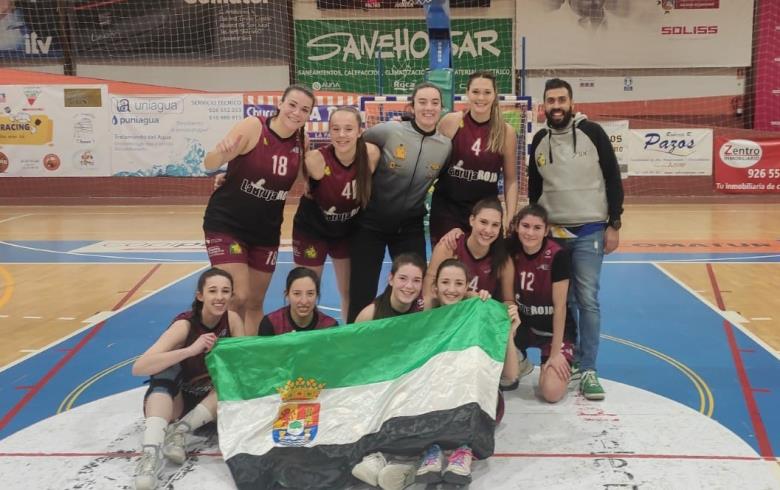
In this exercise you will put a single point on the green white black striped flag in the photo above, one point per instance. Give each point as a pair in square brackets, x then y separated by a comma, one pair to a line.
[299, 410]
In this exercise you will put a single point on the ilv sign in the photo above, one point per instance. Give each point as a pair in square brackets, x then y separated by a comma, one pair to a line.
[349, 55]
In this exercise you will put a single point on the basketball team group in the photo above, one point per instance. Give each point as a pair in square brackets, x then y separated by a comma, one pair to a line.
[364, 195]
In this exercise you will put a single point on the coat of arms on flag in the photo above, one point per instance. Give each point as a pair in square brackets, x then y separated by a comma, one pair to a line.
[296, 424]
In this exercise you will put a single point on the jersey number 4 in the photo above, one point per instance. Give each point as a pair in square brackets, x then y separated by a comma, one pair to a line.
[477, 147]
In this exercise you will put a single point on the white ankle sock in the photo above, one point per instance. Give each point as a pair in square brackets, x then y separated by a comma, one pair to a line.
[197, 417]
[154, 433]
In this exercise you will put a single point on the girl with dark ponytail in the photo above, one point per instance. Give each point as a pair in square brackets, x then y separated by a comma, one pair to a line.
[180, 397]
[339, 178]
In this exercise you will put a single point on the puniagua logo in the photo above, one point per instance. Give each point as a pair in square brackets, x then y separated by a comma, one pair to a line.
[401, 44]
[740, 153]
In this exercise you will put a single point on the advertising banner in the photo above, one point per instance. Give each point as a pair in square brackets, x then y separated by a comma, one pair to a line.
[169, 135]
[670, 152]
[619, 137]
[265, 104]
[747, 166]
[358, 56]
[54, 131]
[152, 29]
[636, 34]
[28, 30]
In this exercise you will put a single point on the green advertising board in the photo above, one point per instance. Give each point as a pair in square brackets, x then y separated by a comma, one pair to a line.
[353, 56]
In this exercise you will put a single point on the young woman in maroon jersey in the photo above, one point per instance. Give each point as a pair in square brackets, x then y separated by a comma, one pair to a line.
[403, 293]
[302, 291]
[483, 148]
[339, 187]
[179, 382]
[243, 218]
[482, 250]
[450, 286]
[540, 281]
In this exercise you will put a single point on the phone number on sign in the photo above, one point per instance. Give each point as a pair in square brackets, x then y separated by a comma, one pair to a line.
[763, 173]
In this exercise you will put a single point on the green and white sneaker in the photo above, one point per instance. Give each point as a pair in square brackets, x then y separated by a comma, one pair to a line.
[575, 371]
[590, 386]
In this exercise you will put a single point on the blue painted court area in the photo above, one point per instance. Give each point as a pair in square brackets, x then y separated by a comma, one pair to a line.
[655, 335]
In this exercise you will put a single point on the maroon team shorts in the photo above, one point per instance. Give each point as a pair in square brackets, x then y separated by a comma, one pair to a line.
[526, 338]
[225, 249]
[311, 252]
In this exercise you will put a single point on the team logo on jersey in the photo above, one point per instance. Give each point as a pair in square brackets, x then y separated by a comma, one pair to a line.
[310, 252]
[327, 170]
[540, 161]
[265, 141]
[235, 248]
[400, 152]
[298, 417]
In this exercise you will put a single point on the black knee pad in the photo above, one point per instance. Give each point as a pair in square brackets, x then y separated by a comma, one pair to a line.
[167, 381]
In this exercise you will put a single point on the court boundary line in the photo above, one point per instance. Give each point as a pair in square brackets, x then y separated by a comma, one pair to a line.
[6, 220]
[721, 313]
[762, 437]
[647, 456]
[87, 327]
[70, 354]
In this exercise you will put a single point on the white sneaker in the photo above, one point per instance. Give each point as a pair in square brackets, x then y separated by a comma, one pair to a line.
[368, 470]
[174, 445]
[397, 476]
[526, 368]
[458, 470]
[148, 468]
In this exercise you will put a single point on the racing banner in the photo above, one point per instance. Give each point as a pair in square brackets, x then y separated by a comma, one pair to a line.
[747, 166]
[54, 131]
[168, 135]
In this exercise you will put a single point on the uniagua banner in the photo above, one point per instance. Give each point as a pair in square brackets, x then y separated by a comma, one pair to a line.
[54, 131]
[636, 34]
[168, 135]
[300, 410]
[747, 166]
[359, 55]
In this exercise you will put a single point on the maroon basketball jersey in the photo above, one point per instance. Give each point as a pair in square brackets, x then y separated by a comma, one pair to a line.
[481, 270]
[473, 171]
[250, 204]
[533, 288]
[195, 367]
[280, 322]
[333, 204]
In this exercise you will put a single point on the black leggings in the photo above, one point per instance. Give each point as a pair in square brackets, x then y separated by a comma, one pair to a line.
[367, 250]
